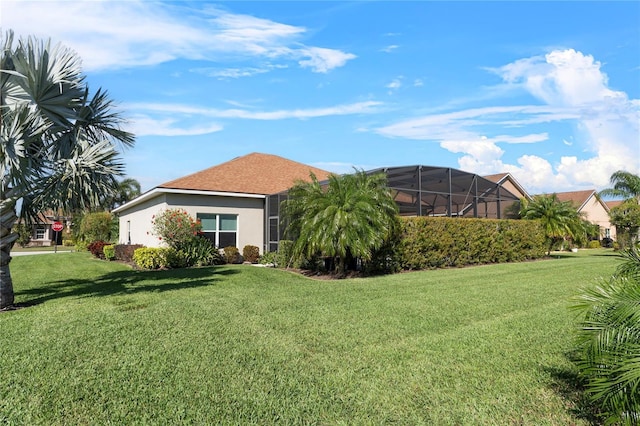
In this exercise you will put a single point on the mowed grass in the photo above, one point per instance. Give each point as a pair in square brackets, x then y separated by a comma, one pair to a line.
[103, 344]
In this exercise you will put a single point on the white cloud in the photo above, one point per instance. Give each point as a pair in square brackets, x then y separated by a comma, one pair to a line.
[124, 34]
[573, 89]
[176, 119]
[390, 48]
[163, 117]
[323, 60]
[227, 73]
[395, 84]
[142, 125]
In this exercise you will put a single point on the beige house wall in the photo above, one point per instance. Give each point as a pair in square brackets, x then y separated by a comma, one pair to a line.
[596, 213]
[135, 222]
[509, 186]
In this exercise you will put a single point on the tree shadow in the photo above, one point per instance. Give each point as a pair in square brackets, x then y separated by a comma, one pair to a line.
[125, 283]
[571, 387]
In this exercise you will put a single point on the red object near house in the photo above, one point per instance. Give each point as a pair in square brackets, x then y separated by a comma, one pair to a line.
[57, 226]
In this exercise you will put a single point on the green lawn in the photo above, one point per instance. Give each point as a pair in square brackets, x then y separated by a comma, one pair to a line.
[100, 343]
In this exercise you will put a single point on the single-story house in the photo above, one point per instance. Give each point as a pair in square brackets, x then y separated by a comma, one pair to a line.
[229, 200]
[594, 209]
[238, 201]
[42, 235]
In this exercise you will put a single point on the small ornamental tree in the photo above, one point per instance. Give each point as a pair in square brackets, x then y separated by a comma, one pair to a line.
[174, 227]
[96, 226]
[626, 219]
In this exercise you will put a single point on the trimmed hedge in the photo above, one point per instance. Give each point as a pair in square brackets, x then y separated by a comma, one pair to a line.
[438, 242]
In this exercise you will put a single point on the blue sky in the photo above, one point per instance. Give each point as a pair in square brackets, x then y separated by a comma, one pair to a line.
[549, 91]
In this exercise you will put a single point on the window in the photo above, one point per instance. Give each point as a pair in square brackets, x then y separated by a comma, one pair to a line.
[222, 229]
[41, 231]
[607, 233]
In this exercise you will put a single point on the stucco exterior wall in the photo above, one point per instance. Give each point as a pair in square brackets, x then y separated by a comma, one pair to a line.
[509, 186]
[596, 213]
[135, 222]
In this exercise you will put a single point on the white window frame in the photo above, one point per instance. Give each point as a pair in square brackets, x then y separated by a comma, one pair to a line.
[40, 232]
[218, 231]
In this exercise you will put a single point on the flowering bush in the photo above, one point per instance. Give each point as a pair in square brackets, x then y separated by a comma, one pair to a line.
[174, 226]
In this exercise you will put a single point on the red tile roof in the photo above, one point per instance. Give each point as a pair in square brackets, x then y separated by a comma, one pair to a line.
[254, 173]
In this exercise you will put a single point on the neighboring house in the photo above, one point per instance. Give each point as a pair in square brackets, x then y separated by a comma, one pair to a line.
[229, 199]
[41, 233]
[508, 182]
[594, 209]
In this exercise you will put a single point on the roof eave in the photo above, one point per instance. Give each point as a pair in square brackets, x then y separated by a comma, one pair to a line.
[158, 191]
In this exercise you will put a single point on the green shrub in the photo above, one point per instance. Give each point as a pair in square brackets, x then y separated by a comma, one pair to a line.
[81, 245]
[432, 242]
[68, 242]
[109, 252]
[251, 253]
[269, 258]
[24, 234]
[285, 255]
[96, 226]
[385, 260]
[593, 244]
[199, 251]
[153, 257]
[176, 259]
[231, 254]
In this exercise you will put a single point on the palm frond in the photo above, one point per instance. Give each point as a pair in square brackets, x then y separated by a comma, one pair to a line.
[609, 338]
[83, 179]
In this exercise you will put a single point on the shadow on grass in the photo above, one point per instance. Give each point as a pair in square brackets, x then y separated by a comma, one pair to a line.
[124, 282]
[571, 387]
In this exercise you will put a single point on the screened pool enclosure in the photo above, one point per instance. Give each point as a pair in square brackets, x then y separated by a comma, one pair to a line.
[422, 191]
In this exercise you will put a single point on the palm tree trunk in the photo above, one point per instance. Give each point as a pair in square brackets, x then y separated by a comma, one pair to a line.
[7, 240]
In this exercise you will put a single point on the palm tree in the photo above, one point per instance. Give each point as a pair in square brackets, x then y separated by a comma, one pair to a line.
[349, 217]
[609, 340]
[127, 190]
[559, 219]
[58, 144]
[626, 185]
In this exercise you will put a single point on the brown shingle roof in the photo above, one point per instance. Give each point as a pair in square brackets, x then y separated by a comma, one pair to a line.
[577, 198]
[254, 173]
[496, 178]
[614, 203]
